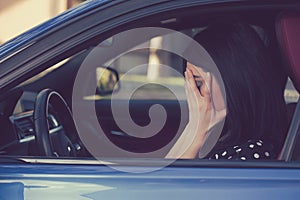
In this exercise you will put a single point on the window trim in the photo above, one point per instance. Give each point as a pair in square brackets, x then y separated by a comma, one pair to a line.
[292, 137]
[181, 163]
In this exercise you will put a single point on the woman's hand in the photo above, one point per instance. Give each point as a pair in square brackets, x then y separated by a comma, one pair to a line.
[199, 104]
[203, 115]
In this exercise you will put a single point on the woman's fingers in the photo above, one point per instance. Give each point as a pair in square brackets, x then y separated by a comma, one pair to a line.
[206, 88]
[190, 95]
[203, 92]
[191, 80]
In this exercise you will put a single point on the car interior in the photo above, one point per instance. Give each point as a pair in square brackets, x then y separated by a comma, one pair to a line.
[287, 28]
[36, 116]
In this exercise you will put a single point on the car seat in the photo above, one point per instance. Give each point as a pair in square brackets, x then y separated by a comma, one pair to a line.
[288, 35]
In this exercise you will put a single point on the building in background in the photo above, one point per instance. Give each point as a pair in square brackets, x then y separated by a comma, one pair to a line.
[17, 16]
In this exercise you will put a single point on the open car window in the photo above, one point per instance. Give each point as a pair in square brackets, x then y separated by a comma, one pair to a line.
[127, 97]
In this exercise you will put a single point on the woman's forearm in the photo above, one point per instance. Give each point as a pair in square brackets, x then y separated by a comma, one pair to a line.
[187, 146]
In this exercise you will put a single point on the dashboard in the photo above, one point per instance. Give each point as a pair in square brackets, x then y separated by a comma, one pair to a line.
[18, 136]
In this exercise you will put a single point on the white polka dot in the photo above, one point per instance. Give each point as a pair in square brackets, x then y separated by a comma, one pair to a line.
[267, 154]
[259, 144]
[256, 155]
[224, 153]
[260, 141]
[236, 147]
[217, 156]
[238, 150]
[243, 158]
[251, 146]
[229, 157]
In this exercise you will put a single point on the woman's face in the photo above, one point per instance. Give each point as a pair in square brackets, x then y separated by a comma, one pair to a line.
[201, 80]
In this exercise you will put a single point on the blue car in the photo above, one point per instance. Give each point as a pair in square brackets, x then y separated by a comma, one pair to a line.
[95, 103]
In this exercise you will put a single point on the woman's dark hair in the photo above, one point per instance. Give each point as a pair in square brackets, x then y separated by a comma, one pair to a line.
[255, 104]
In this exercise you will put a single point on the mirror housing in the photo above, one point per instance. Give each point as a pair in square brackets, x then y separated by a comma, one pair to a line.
[107, 81]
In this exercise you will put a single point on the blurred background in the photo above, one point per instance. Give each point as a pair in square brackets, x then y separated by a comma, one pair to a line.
[17, 16]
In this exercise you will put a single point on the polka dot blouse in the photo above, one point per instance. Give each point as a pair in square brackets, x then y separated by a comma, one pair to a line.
[252, 150]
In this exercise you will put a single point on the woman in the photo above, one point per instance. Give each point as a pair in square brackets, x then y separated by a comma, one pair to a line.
[255, 121]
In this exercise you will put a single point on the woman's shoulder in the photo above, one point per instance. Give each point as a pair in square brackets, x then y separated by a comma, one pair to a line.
[250, 150]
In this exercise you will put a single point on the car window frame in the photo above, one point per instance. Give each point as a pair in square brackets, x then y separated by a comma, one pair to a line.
[292, 137]
[35, 64]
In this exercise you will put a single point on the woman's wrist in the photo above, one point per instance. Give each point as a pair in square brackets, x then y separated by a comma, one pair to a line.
[193, 149]
[188, 144]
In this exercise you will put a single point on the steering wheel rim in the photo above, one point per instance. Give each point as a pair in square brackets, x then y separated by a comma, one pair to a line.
[40, 118]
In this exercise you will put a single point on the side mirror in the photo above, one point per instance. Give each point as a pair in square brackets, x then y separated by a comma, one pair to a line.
[107, 80]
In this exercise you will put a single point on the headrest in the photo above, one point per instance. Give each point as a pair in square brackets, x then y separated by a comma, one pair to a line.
[288, 34]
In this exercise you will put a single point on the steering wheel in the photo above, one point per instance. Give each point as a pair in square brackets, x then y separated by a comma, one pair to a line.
[62, 140]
